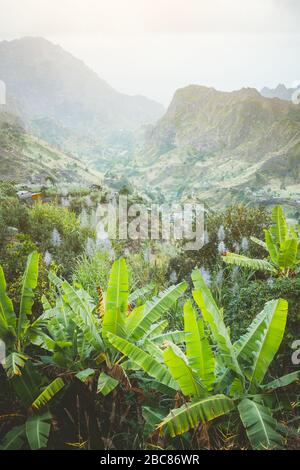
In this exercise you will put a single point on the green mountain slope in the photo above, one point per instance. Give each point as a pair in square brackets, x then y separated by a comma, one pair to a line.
[213, 144]
[25, 158]
[64, 102]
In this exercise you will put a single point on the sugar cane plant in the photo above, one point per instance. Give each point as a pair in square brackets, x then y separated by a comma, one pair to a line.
[215, 376]
[281, 245]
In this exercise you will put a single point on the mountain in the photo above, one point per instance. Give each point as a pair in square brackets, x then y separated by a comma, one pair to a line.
[281, 92]
[25, 158]
[63, 101]
[212, 144]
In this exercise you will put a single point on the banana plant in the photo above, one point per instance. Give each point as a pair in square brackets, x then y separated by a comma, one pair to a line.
[15, 328]
[34, 393]
[281, 245]
[217, 377]
[75, 331]
[33, 390]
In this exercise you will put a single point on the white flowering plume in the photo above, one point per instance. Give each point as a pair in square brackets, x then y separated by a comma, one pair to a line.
[221, 248]
[55, 238]
[206, 237]
[84, 220]
[147, 254]
[65, 202]
[90, 246]
[221, 233]
[219, 278]
[47, 258]
[173, 277]
[244, 244]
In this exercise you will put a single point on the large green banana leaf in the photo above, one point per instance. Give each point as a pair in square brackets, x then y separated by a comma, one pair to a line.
[267, 342]
[250, 263]
[14, 439]
[4, 327]
[139, 294]
[157, 329]
[283, 381]
[180, 420]
[246, 344]
[153, 349]
[81, 304]
[214, 318]
[173, 336]
[85, 374]
[37, 430]
[287, 255]
[261, 427]
[116, 300]
[259, 242]
[152, 417]
[28, 385]
[280, 229]
[50, 392]
[106, 384]
[272, 247]
[144, 360]
[182, 372]
[27, 294]
[14, 362]
[138, 326]
[7, 314]
[198, 350]
[133, 318]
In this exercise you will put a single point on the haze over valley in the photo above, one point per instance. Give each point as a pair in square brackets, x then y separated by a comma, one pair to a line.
[213, 145]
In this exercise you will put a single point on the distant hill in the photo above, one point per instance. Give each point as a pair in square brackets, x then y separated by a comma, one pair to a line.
[64, 102]
[281, 92]
[25, 158]
[211, 143]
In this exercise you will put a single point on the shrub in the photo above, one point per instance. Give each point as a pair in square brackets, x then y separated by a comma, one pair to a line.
[241, 307]
[230, 228]
[92, 272]
[57, 230]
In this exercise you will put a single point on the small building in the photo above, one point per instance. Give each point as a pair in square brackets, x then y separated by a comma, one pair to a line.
[28, 196]
[24, 195]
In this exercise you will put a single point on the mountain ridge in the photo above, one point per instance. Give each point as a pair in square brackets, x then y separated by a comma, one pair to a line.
[281, 92]
[26, 158]
[209, 141]
[45, 83]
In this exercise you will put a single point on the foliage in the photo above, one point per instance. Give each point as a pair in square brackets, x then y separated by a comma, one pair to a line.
[92, 272]
[240, 309]
[233, 379]
[24, 229]
[237, 222]
[100, 360]
[282, 246]
[16, 331]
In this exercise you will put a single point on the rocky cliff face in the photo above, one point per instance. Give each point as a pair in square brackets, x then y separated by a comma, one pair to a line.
[209, 139]
[281, 92]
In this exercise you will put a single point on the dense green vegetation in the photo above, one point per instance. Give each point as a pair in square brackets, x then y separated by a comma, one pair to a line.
[134, 346]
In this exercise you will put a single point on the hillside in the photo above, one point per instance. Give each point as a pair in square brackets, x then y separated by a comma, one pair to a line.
[64, 102]
[25, 158]
[212, 143]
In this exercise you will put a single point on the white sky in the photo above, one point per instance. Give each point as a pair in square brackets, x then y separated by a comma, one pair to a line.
[152, 47]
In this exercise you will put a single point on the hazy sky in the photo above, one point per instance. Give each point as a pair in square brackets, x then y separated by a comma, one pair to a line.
[152, 47]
